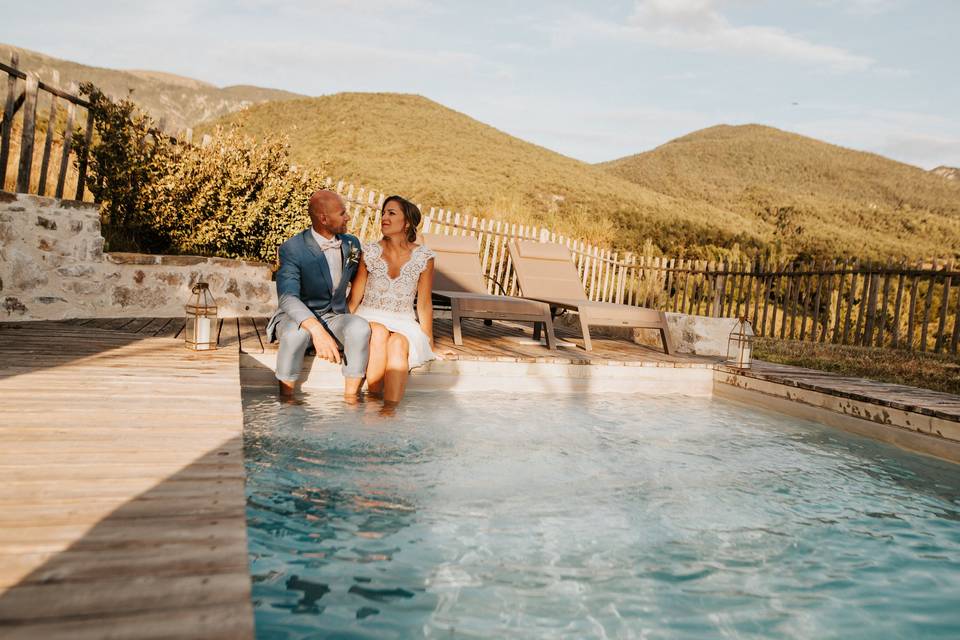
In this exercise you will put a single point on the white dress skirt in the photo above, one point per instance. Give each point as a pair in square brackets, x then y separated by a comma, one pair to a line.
[390, 301]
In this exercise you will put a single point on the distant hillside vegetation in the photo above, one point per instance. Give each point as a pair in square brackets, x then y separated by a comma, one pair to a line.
[950, 173]
[182, 101]
[824, 199]
[440, 157]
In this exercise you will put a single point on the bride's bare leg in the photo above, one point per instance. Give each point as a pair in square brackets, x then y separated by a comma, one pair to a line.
[377, 363]
[395, 377]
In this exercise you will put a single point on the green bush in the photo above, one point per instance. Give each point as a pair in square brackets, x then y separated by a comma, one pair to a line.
[233, 197]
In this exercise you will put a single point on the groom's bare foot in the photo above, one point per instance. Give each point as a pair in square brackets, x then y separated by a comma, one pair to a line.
[351, 386]
[285, 389]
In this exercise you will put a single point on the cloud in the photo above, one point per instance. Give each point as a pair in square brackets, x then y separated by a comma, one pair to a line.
[922, 139]
[340, 65]
[697, 25]
[863, 7]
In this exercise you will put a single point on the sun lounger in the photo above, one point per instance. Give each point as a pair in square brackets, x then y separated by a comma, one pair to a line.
[546, 273]
[458, 278]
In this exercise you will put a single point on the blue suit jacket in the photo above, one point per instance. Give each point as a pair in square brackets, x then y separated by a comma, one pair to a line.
[304, 288]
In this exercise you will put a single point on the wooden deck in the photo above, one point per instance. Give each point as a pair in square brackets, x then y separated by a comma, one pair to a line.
[886, 394]
[122, 500]
[501, 342]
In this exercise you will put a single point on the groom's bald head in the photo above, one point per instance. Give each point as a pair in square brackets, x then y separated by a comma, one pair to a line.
[327, 212]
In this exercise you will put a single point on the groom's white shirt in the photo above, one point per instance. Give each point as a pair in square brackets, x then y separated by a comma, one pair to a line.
[334, 259]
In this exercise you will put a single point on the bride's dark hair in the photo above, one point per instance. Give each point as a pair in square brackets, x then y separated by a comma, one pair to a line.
[410, 213]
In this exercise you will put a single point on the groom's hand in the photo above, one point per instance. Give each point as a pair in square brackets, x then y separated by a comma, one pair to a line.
[324, 344]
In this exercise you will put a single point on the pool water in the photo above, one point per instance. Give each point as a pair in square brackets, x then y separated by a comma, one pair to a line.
[603, 516]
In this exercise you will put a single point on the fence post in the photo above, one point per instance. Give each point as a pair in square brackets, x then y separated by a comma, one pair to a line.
[67, 142]
[926, 306]
[29, 131]
[720, 287]
[944, 303]
[7, 129]
[48, 140]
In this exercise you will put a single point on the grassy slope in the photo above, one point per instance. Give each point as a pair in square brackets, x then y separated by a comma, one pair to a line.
[823, 198]
[925, 370]
[182, 101]
[440, 157]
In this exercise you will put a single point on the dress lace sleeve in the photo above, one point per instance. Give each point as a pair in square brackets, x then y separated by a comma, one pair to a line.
[424, 254]
[371, 251]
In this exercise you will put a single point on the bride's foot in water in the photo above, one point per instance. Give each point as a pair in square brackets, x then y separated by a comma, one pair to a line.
[389, 409]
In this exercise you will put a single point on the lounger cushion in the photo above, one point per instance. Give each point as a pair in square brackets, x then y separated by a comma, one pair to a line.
[542, 250]
[457, 263]
[451, 244]
[545, 271]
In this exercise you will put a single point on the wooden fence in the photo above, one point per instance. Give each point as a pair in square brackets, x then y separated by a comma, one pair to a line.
[34, 166]
[912, 307]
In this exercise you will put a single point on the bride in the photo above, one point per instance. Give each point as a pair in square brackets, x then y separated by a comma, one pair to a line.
[392, 272]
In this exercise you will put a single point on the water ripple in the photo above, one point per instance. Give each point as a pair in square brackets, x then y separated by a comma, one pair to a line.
[577, 517]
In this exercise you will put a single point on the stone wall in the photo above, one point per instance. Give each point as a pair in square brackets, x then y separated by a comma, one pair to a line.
[52, 266]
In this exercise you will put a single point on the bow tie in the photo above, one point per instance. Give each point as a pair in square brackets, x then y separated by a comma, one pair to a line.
[329, 244]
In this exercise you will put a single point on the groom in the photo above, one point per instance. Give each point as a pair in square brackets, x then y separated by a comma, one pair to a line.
[315, 268]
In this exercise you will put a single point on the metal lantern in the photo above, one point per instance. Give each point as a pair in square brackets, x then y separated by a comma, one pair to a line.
[740, 344]
[200, 331]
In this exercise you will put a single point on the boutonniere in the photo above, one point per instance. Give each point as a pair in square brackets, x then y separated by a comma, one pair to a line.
[353, 257]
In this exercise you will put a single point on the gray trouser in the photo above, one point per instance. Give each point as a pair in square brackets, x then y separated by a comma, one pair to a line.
[351, 332]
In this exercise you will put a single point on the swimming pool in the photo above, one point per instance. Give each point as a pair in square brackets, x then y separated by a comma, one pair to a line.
[529, 516]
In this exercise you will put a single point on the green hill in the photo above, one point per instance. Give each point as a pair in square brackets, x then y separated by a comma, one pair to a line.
[826, 199]
[182, 102]
[440, 157]
[752, 185]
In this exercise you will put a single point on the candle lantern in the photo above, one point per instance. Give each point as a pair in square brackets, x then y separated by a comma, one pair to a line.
[740, 344]
[200, 331]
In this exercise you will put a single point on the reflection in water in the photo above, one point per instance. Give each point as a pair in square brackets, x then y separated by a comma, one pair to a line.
[605, 516]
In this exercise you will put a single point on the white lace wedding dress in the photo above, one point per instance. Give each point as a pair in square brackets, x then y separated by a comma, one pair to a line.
[389, 301]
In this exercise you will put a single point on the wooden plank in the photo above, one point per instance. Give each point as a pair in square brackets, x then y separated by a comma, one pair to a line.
[67, 146]
[229, 336]
[882, 324]
[864, 301]
[805, 305]
[82, 160]
[171, 330]
[48, 140]
[912, 313]
[6, 130]
[871, 320]
[799, 291]
[854, 272]
[788, 296]
[137, 325]
[767, 284]
[897, 307]
[944, 304]
[815, 327]
[608, 279]
[509, 282]
[955, 337]
[28, 134]
[838, 301]
[738, 289]
[154, 326]
[931, 285]
[719, 289]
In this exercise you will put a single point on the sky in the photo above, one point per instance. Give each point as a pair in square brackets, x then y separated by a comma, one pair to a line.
[592, 80]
